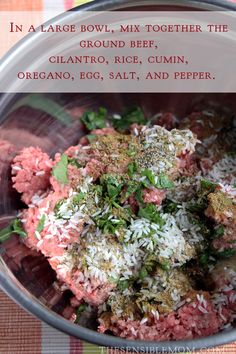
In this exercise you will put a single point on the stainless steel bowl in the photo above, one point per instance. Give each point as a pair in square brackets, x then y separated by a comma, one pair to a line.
[26, 276]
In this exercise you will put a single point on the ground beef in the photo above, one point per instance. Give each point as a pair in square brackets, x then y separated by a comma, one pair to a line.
[206, 164]
[95, 169]
[52, 245]
[186, 323]
[154, 195]
[104, 131]
[167, 120]
[31, 171]
[91, 290]
[221, 208]
[187, 165]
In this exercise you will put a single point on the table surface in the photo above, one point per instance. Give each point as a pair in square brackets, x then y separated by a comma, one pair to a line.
[20, 332]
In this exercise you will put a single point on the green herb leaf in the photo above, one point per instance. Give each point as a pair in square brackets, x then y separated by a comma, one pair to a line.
[150, 176]
[219, 231]
[132, 187]
[91, 137]
[170, 207]
[44, 104]
[128, 117]
[197, 207]
[74, 162]
[109, 226]
[132, 150]
[14, 227]
[226, 253]
[17, 228]
[165, 265]
[151, 213]
[41, 223]
[143, 273]
[139, 194]
[58, 205]
[78, 197]
[112, 186]
[206, 184]
[132, 169]
[123, 284]
[95, 120]
[6, 233]
[60, 170]
[161, 181]
[79, 312]
[204, 259]
[164, 182]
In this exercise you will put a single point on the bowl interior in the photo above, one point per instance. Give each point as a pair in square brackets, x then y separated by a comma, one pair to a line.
[26, 126]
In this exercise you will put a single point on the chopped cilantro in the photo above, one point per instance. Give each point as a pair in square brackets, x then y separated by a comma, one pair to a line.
[123, 284]
[112, 186]
[143, 273]
[132, 187]
[150, 212]
[132, 169]
[60, 170]
[204, 259]
[206, 184]
[78, 197]
[128, 117]
[6, 233]
[165, 264]
[74, 162]
[226, 253]
[58, 205]
[113, 190]
[79, 312]
[91, 137]
[132, 150]
[41, 223]
[170, 207]
[150, 262]
[150, 176]
[219, 231]
[14, 227]
[164, 182]
[95, 120]
[139, 194]
[17, 228]
[161, 181]
[110, 226]
[198, 206]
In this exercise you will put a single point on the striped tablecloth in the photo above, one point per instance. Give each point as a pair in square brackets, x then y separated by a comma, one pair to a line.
[20, 332]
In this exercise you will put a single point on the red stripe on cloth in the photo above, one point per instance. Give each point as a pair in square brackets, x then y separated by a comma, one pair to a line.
[20, 333]
[23, 5]
[76, 346]
[69, 4]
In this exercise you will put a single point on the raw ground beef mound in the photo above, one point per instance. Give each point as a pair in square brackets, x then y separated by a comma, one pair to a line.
[186, 323]
[31, 172]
